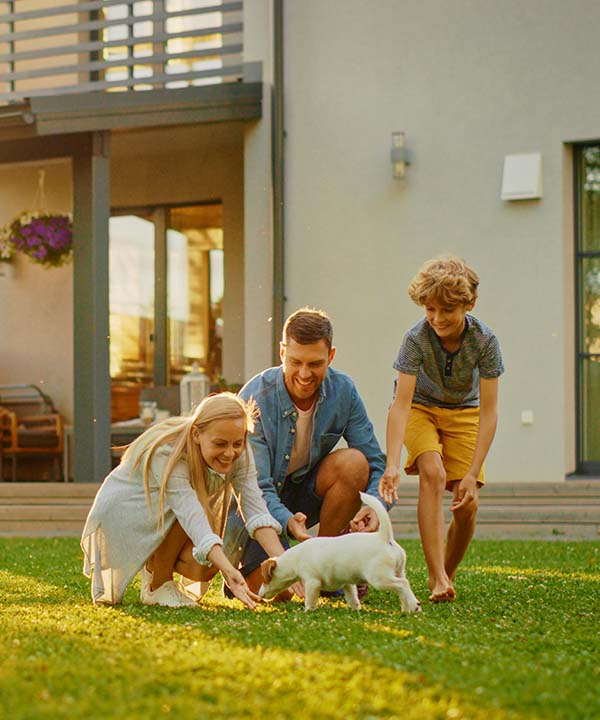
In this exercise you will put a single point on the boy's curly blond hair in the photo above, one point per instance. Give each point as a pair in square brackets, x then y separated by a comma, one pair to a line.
[447, 280]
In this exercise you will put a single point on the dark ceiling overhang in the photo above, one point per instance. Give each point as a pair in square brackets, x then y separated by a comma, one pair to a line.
[89, 112]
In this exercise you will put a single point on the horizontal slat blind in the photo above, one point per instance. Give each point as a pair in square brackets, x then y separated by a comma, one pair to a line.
[60, 47]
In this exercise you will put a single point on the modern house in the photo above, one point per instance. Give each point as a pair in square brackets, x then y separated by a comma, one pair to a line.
[228, 162]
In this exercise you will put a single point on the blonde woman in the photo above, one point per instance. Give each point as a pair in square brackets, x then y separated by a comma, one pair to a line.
[163, 509]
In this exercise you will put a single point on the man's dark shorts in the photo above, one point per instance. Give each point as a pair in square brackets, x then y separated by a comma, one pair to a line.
[298, 495]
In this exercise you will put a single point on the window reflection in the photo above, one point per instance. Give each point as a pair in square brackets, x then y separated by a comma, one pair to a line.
[194, 308]
[195, 324]
[131, 294]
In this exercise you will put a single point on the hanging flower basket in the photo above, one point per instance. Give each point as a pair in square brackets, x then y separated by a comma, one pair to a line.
[47, 238]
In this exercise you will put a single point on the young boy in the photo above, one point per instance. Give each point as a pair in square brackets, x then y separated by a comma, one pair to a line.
[445, 411]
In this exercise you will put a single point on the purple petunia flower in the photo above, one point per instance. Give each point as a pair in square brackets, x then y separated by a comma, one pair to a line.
[47, 239]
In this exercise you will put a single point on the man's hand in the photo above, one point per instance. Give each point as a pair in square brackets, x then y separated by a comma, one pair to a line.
[297, 527]
[388, 484]
[365, 520]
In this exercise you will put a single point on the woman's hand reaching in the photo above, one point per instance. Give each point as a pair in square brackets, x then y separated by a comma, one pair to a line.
[238, 586]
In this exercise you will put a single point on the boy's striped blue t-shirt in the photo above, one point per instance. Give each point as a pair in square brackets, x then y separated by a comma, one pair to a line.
[446, 379]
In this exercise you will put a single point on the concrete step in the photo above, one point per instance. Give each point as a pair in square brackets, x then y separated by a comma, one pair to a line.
[491, 491]
[46, 493]
[45, 509]
[60, 491]
[569, 510]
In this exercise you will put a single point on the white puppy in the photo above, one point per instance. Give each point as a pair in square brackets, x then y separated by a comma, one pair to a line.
[327, 563]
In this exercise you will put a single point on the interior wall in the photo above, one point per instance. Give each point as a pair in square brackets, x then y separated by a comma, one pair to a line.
[466, 97]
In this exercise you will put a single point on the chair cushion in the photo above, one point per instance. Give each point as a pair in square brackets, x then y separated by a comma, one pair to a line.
[37, 438]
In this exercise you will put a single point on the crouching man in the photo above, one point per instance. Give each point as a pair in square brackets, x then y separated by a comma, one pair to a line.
[306, 407]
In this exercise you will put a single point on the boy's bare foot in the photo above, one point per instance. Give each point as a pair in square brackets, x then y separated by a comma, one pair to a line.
[442, 591]
[447, 595]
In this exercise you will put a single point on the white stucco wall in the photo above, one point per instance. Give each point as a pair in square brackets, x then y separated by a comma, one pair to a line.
[36, 305]
[469, 82]
[258, 194]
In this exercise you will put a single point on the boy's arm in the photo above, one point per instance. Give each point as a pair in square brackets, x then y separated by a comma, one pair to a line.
[488, 419]
[397, 420]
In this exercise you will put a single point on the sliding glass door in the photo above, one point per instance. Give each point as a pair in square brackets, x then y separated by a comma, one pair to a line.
[166, 298]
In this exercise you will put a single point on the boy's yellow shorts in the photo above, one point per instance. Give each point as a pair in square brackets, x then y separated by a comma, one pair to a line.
[451, 432]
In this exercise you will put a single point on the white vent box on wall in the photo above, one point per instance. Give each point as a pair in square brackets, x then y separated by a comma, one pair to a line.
[522, 177]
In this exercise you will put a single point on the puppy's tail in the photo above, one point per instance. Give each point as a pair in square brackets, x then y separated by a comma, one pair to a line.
[385, 525]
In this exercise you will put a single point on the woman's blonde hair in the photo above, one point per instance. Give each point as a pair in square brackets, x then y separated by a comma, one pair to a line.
[446, 279]
[178, 432]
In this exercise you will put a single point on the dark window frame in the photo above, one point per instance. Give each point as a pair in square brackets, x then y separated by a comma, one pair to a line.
[583, 467]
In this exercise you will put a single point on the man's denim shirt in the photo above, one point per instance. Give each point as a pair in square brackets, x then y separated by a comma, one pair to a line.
[340, 413]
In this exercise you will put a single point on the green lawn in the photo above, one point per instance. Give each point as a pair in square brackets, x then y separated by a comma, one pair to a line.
[522, 641]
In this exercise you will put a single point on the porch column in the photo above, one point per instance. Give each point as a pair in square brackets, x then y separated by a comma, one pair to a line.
[91, 211]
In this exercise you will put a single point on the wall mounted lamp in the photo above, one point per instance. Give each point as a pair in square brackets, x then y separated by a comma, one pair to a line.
[400, 155]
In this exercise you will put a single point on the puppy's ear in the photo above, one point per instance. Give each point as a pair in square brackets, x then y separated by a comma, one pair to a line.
[268, 568]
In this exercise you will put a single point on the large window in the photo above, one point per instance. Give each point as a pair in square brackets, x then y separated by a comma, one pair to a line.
[587, 277]
[166, 296]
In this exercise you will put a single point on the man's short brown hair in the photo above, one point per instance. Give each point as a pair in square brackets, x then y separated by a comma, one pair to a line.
[307, 326]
